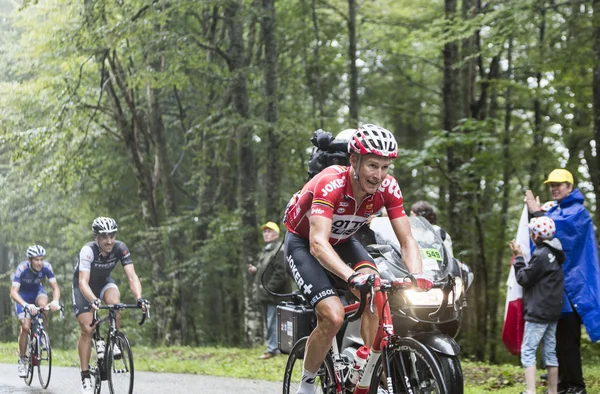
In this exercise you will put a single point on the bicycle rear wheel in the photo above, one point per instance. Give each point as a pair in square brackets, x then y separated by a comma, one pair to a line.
[412, 364]
[119, 367]
[45, 359]
[324, 381]
[31, 354]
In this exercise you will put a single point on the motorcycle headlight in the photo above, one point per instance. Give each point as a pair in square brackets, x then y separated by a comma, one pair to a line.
[433, 297]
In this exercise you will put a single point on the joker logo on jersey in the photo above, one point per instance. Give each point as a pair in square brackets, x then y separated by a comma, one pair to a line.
[331, 186]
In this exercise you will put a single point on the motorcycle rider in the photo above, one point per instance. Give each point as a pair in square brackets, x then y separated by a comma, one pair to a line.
[319, 247]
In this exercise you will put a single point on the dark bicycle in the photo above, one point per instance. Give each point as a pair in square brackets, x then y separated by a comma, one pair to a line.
[114, 359]
[39, 352]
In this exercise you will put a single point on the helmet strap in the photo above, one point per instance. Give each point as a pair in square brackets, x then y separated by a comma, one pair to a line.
[357, 168]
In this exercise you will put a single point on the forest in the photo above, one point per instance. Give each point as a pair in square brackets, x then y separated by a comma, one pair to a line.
[189, 122]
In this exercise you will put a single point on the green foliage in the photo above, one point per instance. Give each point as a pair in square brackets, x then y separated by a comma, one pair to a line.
[65, 157]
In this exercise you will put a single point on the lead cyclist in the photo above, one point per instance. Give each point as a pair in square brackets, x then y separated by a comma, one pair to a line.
[92, 284]
[319, 248]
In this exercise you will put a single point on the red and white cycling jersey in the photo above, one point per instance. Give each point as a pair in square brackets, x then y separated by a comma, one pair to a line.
[329, 194]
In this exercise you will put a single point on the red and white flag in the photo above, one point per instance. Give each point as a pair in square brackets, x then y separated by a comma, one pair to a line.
[514, 324]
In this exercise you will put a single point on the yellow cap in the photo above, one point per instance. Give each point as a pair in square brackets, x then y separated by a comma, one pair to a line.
[270, 225]
[559, 176]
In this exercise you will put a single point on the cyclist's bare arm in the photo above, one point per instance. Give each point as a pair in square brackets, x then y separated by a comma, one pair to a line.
[55, 291]
[14, 294]
[321, 249]
[410, 247]
[84, 286]
[134, 281]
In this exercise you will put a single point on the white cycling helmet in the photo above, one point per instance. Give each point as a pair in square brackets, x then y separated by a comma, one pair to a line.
[35, 251]
[104, 225]
[370, 138]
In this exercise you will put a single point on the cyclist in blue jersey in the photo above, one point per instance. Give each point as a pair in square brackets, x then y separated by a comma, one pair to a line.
[28, 294]
[93, 284]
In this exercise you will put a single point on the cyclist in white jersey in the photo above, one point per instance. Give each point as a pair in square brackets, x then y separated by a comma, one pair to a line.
[93, 284]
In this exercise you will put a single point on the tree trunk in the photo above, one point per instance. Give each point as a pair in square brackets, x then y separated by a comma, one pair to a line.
[352, 61]
[596, 97]
[317, 73]
[247, 168]
[449, 122]
[506, 175]
[7, 334]
[131, 134]
[535, 180]
[273, 208]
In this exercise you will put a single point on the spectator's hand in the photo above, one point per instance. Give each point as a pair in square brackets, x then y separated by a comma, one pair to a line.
[516, 248]
[252, 269]
[54, 306]
[533, 203]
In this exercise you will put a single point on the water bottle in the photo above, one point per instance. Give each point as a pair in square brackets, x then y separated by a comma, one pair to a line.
[358, 364]
[100, 345]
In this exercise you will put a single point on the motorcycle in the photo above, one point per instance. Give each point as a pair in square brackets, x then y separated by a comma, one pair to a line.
[432, 317]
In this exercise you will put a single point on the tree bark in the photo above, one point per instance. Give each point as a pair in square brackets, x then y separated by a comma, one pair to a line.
[352, 61]
[449, 122]
[131, 134]
[506, 175]
[273, 207]
[538, 131]
[247, 169]
[596, 97]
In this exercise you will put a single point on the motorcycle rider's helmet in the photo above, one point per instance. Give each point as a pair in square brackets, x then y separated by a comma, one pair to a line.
[370, 138]
[104, 225]
[35, 251]
[543, 227]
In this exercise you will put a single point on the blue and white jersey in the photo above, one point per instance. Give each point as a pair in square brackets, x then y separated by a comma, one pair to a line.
[28, 280]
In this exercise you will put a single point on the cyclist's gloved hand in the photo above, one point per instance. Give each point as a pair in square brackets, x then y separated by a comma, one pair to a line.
[359, 280]
[31, 308]
[143, 303]
[423, 282]
[96, 303]
[54, 305]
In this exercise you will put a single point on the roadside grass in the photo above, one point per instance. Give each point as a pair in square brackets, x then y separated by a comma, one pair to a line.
[244, 363]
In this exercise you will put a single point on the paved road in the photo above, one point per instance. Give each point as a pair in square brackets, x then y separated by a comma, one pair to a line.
[65, 381]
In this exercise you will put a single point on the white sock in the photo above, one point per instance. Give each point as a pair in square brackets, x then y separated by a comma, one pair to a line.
[307, 384]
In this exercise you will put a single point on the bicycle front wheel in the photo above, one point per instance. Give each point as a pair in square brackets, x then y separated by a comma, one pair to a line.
[412, 369]
[45, 359]
[324, 381]
[31, 357]
[119, 366]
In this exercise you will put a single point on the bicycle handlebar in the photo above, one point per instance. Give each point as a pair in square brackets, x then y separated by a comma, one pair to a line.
[46, 308]
[118, 307]
[446, 285]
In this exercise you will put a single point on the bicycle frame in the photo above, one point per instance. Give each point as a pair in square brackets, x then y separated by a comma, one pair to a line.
[384, 338]
[384, 331]
[112, 329]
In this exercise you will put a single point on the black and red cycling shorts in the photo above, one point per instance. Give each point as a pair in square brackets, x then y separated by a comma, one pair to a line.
[314, 281]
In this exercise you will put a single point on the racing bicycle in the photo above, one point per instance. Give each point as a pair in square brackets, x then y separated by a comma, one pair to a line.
[113, 359]
[39, 352]
[396, 364]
